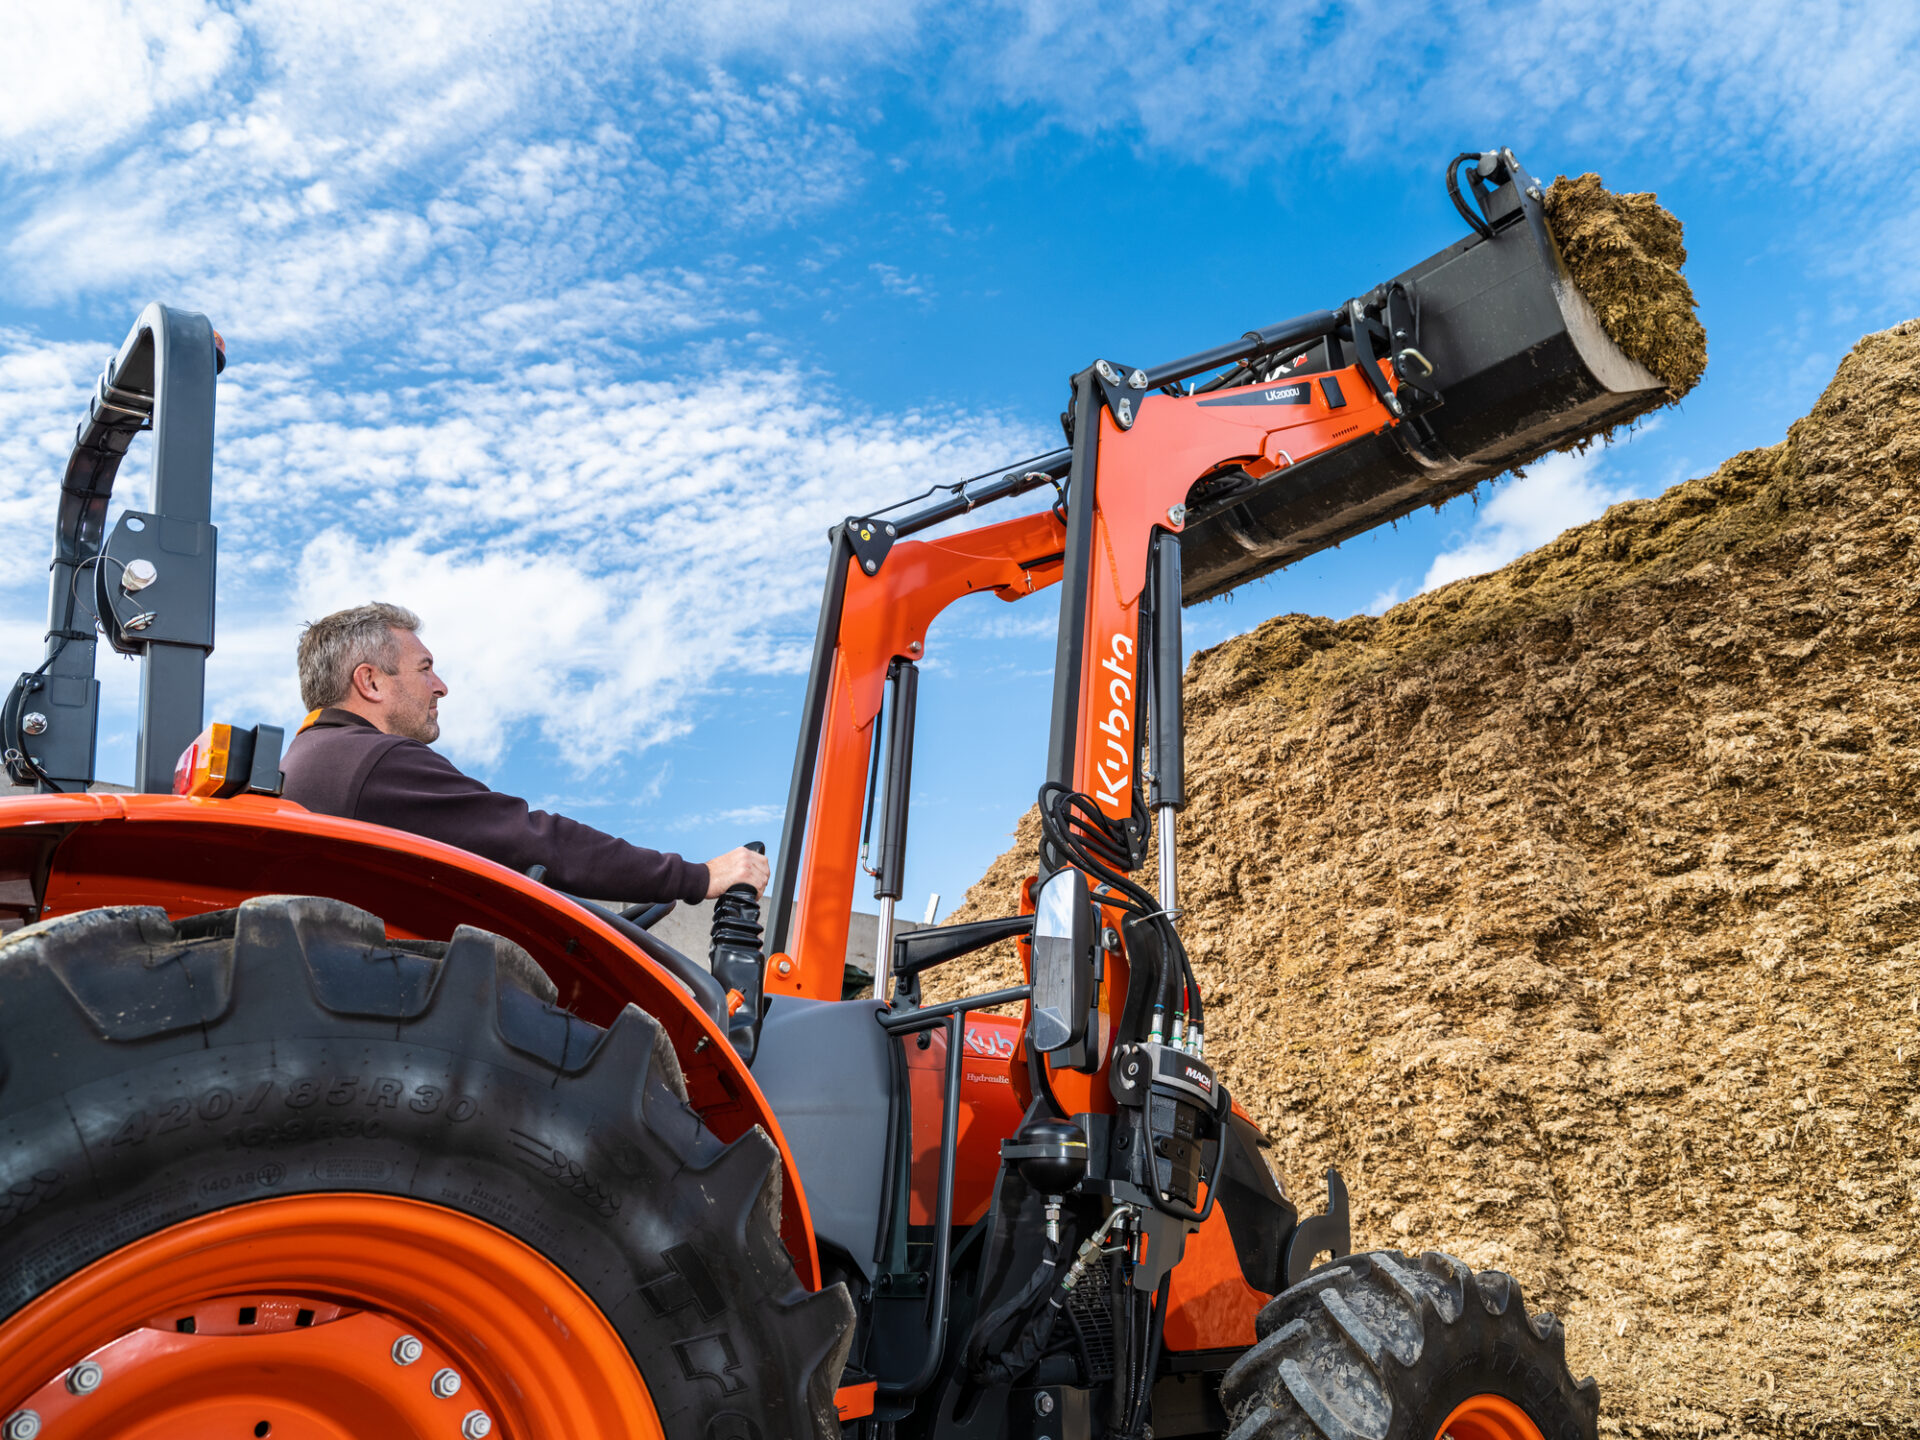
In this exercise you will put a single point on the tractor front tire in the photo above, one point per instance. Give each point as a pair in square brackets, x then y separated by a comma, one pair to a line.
[153, 1072]
[1386, 1346]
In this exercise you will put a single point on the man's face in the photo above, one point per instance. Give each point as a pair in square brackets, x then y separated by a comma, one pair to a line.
[414, 709]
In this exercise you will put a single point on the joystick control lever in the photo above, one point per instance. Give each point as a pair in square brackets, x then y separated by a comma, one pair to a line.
[737, 963]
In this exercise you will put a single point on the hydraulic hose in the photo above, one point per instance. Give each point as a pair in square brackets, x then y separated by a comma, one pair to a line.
[1023, 1354]
[1149, 1364]
[1077, 830]
[1036, 1285]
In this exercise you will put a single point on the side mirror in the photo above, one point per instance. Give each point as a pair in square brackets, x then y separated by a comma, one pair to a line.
[1063, 940]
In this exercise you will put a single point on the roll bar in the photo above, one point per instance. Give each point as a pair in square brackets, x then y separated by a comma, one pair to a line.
[153, 577]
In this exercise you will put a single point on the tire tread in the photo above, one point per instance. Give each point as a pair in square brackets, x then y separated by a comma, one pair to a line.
[97, 991]
[1359, 1347]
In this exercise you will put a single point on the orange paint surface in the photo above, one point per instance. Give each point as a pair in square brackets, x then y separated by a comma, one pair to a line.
[533, 1353]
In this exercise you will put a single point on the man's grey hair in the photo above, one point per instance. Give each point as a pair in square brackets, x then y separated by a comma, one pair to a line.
[332, 648]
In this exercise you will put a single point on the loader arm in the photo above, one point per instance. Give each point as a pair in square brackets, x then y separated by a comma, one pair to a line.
[1139, 479]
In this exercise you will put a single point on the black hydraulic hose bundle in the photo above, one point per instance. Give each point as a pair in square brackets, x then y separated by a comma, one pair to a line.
[1143, 1367]
[1080, 833]
[1021, 1356]
[1025, 1350]
[1036, 1335]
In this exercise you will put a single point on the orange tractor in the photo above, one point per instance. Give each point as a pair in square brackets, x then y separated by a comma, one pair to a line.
[311, 1128]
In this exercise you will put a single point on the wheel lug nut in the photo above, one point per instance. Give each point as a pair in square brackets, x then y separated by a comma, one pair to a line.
[23, 1425]
[406, 1350]
[476, 1425]
[85, 1378]
[446, 1384]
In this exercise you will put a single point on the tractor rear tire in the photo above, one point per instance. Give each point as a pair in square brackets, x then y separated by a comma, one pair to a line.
[155, 1071]
[1384, 1346]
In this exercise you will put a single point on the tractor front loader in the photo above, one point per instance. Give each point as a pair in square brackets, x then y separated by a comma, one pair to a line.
[311, 1128]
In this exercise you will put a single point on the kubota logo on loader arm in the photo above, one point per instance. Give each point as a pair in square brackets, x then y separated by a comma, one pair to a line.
[1115, 775]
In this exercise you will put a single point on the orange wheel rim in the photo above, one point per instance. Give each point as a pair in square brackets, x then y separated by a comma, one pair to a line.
[1488, 1417]
[322, 1317]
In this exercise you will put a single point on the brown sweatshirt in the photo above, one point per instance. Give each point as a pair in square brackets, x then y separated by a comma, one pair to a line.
[342, 764]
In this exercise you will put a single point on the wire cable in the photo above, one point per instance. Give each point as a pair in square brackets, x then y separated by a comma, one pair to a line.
[13, 740]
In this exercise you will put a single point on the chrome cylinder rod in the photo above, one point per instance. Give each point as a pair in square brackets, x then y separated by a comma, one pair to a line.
[1169, 871]
[883, 951]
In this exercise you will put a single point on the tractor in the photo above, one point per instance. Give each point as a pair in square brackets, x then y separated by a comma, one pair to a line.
[313, 1128]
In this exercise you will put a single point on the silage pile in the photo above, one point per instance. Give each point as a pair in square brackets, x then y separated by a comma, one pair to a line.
[1573, 911]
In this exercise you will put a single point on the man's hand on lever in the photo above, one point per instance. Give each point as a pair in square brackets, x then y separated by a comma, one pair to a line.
[737, 867]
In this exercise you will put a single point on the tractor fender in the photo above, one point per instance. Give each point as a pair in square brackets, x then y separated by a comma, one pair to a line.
[64, 853]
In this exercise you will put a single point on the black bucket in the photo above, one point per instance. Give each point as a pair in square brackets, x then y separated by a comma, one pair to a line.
[1522, 367]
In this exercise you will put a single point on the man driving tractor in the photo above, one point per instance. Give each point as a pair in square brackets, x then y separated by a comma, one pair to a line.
[364, 752]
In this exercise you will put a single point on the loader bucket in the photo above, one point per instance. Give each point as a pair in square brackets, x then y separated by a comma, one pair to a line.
[1522, 366]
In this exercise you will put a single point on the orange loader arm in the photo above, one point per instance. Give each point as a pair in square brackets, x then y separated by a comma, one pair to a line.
[1145, 475]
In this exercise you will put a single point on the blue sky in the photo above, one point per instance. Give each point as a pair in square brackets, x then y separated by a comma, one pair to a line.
[574, 326]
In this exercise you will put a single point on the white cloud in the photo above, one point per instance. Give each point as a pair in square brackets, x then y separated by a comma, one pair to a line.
[1704, 78]
[447, 180]
[898, 282]
[362, 194]
[1385, 600]
[80, 77]
[742, 816]
[1520, 515]
[591, 554]
[1719, 91]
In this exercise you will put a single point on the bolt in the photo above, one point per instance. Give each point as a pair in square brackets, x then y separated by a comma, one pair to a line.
[1533, 192]
[446, 1384]
[871, 567]
[476, 1425]
[85, 1378]
[406, 1350]
[1106, 372]
[1176, 514]
[785, 967]
[138, 575]
[1043, 1403]
[1137, 380]
[1126, 414]
[34, 723]
[892, 531]
[23, 1425]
